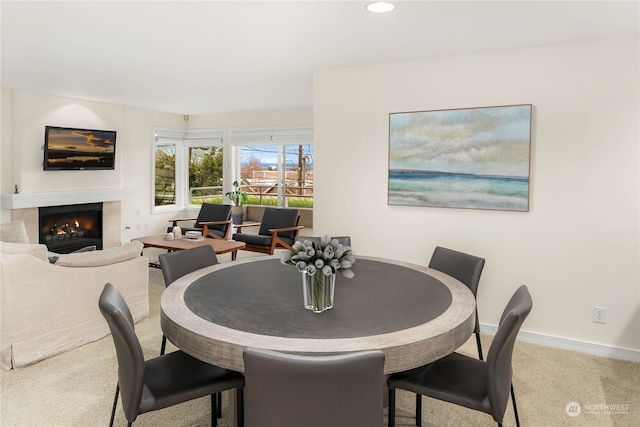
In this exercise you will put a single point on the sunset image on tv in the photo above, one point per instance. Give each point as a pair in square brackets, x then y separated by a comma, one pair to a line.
[67, 148]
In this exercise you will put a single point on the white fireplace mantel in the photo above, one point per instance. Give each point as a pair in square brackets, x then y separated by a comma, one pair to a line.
[70, 197]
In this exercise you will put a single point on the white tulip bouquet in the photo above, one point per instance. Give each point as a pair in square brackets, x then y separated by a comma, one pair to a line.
[328, 256]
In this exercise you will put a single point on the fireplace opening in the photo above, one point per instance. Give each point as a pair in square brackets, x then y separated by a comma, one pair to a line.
[68, 228]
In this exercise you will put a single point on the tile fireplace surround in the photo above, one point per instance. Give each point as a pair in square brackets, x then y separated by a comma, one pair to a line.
[24, 206]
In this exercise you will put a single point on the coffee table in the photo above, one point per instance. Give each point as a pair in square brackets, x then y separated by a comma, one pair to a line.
[219, 246]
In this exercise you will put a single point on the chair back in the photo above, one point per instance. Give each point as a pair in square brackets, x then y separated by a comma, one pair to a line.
[464, 267]
[279, 218]
[214, 212]
[345, 240]
[176, 264]
[313, 391]
[128, 350]
[499, 358]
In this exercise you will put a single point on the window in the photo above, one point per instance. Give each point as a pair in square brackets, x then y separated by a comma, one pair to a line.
[187, 168]
[275, 165]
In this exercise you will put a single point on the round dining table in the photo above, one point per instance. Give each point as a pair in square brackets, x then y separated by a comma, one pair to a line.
[414, 314]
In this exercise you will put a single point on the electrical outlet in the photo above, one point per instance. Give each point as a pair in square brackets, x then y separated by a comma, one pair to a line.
[599, 314]
[139, 227]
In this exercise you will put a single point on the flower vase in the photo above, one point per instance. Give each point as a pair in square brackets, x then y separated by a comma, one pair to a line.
[318, 290]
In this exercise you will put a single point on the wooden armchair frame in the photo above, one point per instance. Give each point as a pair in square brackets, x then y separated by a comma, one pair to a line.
[276, 242]
[205, 225]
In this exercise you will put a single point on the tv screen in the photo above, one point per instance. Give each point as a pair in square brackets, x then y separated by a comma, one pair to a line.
[79, 149]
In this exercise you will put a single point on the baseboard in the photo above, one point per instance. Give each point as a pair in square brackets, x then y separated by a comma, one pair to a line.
[571, 344]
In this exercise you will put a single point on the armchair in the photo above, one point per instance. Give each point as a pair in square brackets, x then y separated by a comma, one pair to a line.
[278, 229]
[213, 221]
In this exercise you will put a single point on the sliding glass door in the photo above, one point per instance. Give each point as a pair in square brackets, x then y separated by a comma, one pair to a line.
[277, 175]
[274, 166]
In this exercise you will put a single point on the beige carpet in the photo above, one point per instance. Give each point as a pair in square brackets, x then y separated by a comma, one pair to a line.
[76, 388]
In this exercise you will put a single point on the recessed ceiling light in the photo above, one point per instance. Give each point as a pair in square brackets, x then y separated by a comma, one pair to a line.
[380, 7]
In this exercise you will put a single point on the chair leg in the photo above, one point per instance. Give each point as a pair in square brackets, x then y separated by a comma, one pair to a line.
[515, 409]
[164, 345]
[240, 407]
[392, 408]
[214, 411]
[115, 403]
[418, 409]
[479, 346]
[219, 396]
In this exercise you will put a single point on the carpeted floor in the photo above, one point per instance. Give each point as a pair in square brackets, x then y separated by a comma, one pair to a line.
[76, 388]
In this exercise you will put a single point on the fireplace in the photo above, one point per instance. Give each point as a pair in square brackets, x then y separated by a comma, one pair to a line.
[64, 229]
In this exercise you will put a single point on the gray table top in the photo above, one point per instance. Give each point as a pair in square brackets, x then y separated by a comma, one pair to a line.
[267, 300]
[413, 313]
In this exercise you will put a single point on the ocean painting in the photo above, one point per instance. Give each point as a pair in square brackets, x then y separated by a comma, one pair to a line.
[475, 158]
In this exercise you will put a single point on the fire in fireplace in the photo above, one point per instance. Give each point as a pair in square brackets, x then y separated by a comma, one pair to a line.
[64, 229]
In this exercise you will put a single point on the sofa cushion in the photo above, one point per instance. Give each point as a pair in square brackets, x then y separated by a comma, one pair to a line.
[53, 257]
[38, 251]
[102, 257]
[14, 232]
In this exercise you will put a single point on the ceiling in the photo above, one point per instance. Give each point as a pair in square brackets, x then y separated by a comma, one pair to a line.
[207, 57]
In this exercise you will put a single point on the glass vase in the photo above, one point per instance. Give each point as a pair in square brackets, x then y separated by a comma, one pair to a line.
[318, 290]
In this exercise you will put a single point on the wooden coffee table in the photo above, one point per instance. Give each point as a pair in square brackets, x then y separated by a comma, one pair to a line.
[219, 246]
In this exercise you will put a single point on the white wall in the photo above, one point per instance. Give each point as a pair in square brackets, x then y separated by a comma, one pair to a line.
[25, 114]
[578, 245]
[24, 117]
[31, 113]
[6, 148]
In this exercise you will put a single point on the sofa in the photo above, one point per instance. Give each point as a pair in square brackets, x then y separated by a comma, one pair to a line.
[49, 302]
[253, 213]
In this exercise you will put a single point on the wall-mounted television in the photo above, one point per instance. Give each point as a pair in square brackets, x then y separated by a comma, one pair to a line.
[79, 149]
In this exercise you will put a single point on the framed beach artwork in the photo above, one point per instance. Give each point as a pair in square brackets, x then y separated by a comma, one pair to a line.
[474, 158]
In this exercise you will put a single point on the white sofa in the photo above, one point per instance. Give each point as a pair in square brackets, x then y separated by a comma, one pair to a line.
[48, 308]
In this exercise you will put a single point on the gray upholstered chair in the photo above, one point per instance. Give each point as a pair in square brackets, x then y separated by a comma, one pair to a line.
[467, 381]
[345, 240]
[176, 264]
[313, 391]
[213, 221]
[162, 381]
[278, 229]
[464, 267]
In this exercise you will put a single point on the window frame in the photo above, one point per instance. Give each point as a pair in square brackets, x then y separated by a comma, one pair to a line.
[183, 140]
[279, 136]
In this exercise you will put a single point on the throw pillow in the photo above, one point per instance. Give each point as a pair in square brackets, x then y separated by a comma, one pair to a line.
[103, 257]
[14, 232]
[38, 251]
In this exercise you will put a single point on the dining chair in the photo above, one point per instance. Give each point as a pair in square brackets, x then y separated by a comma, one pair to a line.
[467, 269]
[213, 220]
[176, 264]
[342, 390]
[150, 385]
[466, 381]
[278, 229]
